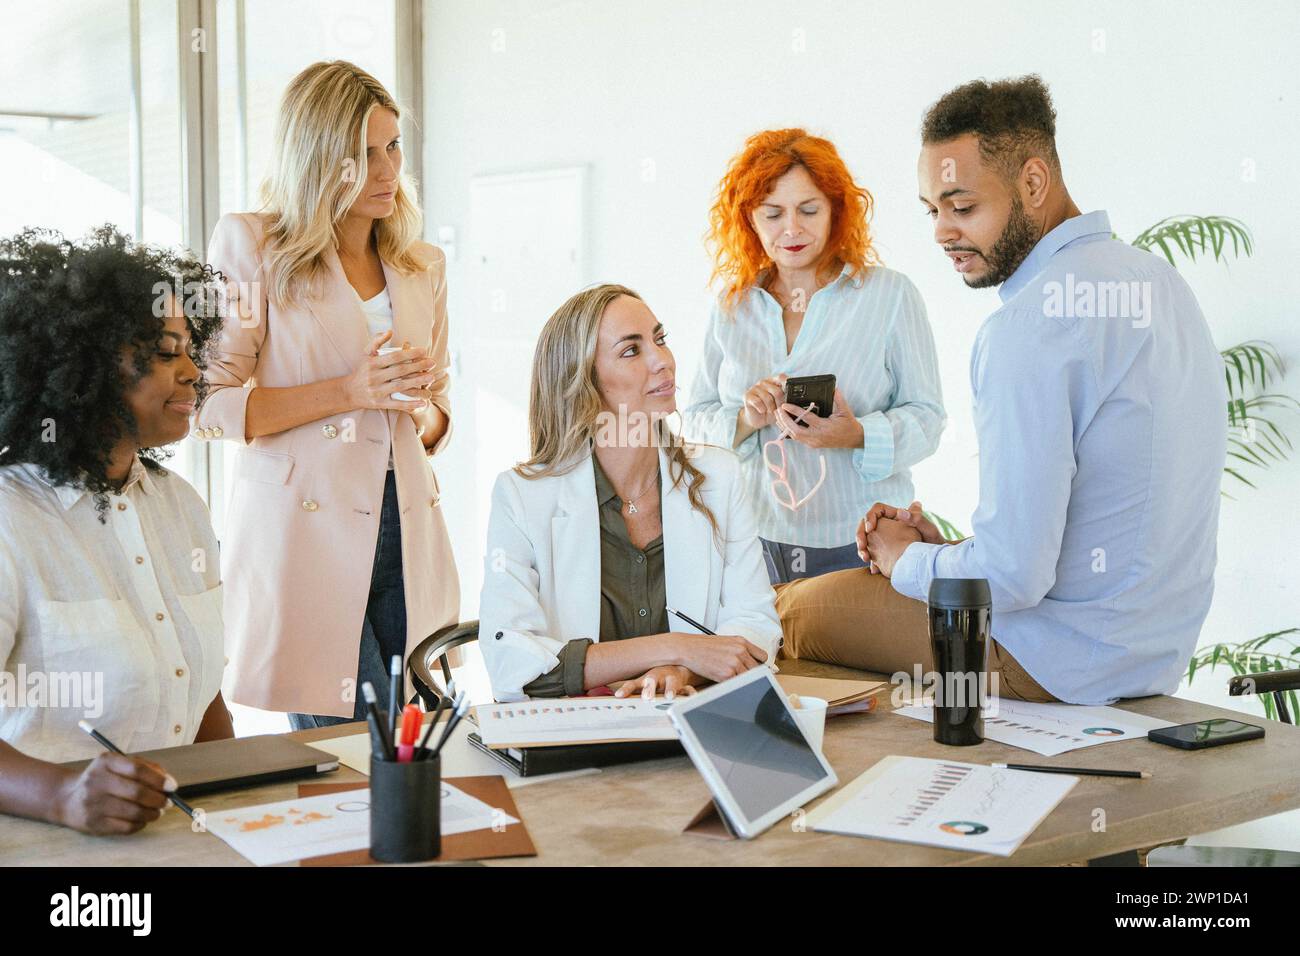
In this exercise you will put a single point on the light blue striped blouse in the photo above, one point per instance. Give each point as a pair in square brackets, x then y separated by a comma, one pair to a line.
[872, 334]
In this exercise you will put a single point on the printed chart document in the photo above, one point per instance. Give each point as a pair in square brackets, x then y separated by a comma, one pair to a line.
[944, 803]
[573, 720]
[1051, 729]
[331, 823]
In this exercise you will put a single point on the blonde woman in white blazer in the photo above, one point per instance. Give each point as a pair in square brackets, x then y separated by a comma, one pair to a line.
[608, 484]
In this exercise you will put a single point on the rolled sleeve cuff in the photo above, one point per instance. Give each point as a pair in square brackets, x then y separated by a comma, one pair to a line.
[225, 408]
[565, 679]
[914, 570]
[441, 443]
[874, 461]
[514, 660]
[573, 664]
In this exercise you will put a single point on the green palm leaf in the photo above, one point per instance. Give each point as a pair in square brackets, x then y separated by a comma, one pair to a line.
[1190, 235]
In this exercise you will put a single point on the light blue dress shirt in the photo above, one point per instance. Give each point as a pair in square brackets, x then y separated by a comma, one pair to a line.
[873, 335]
[1100, 409]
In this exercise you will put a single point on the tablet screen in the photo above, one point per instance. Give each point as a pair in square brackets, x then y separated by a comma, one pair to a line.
[755, 747]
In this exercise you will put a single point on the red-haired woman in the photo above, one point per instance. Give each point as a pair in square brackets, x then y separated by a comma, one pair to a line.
[804, 293]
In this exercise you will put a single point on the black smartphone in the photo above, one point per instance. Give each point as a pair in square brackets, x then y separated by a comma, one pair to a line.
[1205, 733]
[809, 390]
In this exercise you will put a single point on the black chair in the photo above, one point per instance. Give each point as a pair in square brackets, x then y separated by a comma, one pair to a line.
[433, 650]
[1276, 683]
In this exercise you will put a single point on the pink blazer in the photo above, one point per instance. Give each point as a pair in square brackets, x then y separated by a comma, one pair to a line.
[303, 517]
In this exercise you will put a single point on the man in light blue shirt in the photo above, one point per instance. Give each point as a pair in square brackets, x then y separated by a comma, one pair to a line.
[1099, 407]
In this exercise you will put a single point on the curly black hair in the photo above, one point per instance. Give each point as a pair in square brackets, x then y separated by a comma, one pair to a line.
[69, 312]
[1013, 119]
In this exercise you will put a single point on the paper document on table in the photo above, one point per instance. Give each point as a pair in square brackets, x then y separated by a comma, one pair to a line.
[841, 696]
[353, 750]
[273, 833]
[944, 803]
[573, 720]
[1051, 729]
[458, 758]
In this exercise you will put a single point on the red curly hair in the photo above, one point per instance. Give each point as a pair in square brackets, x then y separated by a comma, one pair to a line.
[738, 255]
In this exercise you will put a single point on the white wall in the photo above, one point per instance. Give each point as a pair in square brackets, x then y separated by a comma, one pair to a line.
[1160, 106]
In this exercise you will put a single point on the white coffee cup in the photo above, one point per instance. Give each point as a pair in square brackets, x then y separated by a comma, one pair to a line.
[811, 715]
[398, 396]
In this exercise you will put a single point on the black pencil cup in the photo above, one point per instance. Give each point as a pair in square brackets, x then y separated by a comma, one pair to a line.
[405, 810]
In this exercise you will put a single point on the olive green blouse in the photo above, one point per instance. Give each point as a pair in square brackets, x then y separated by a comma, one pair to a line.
[633, 602]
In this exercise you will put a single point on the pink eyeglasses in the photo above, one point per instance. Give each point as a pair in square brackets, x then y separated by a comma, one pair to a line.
[781, 484]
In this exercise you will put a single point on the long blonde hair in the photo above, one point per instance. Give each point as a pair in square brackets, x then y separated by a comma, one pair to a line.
[318, 171]
[564, 401]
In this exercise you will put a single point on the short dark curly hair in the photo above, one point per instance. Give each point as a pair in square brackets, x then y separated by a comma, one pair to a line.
[1013, 119]
[69, 313]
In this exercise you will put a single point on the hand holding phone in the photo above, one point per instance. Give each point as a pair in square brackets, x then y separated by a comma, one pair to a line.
[762, 400]
[812, 390]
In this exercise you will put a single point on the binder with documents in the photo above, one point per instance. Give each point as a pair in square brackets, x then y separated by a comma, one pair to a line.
[535, 761]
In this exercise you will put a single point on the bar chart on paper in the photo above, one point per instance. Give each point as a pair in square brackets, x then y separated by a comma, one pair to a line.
[944, 803]
[943, 779]
[1051, 729]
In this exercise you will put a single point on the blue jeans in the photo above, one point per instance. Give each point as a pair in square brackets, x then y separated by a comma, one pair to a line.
[383, 632]
[787, 562]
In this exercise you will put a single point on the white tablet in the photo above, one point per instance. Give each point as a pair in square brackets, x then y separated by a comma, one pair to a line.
[749, 748]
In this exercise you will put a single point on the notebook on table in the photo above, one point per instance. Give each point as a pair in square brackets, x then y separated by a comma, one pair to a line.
[236, 762]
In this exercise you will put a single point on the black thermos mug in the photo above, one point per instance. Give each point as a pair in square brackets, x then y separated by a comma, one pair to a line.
[960, 610]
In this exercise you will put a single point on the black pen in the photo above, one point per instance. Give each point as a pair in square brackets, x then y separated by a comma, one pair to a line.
[1081, 771]
[462, 708]
[374, 713]
[695, 624]
[394, 692]
[420, 751]
[109, 745]
[700, 627]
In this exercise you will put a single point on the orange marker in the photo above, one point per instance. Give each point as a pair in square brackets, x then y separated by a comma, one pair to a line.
[410, 728]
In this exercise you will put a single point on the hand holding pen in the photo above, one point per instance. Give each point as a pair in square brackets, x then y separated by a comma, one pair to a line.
[721, 656]
[118, 793]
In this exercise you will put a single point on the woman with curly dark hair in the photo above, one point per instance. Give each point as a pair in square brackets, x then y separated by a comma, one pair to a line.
[110, 594]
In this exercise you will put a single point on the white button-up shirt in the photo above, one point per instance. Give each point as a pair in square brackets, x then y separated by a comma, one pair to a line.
[873, 335]
[116, 623]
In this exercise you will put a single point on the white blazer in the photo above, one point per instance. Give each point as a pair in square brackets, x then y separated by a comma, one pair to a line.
[541, 580]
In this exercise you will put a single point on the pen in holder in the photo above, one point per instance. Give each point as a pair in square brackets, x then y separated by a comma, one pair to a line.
[405, 810]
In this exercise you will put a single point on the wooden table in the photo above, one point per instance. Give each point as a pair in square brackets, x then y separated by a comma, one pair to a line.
[634, 814]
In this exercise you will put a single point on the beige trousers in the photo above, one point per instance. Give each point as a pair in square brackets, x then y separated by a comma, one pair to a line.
[856, 619]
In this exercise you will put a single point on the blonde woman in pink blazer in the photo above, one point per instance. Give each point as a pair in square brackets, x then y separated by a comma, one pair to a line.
[335, 555]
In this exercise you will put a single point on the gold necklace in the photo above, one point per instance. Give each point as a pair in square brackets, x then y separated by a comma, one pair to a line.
[631, 502]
